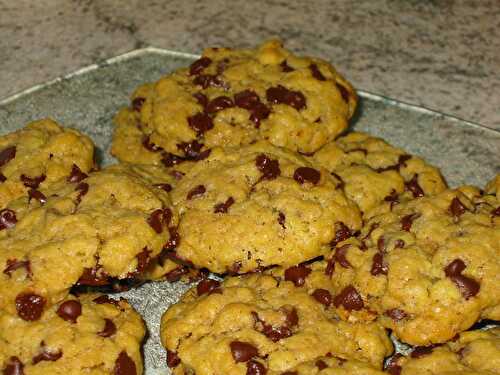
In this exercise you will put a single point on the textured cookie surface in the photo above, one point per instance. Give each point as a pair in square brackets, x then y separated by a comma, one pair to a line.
[91, 334]
[250, 324]
[232, 97]
[39, 155]
[473, 352]
[256, 206]
[101, 227]
[428, 268]
[373, 171]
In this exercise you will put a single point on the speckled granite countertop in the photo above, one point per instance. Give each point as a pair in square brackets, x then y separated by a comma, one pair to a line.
[442, 54]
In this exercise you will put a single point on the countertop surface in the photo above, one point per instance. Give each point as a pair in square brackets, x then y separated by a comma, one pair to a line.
[441, 54]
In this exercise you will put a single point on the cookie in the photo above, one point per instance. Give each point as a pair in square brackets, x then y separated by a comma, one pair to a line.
[375, 172]
[256, 206]
[92, 334]
[427, 268]
[39, 155]
[257, 323]
[101, 227]
[473, 352]
[233, 97]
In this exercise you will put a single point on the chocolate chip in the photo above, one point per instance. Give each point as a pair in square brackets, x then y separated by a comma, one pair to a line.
[37, 195]
[392, 198]
[207, 286]
[137, 103]
[457, 208]
[192, 151]
[496, 212]
[199, 65]
[108, 330]
[93, 277]
[270, 168]
[259, 112]
[381, 244]
[201, 99]
[414, 187]
[223, 207]
[281, 219]
[124, 365]
[349, 298]
[285, 67]
[83, 189]
[399, 244]
[46, 355]
[330, 267]
[14, 264]
[343, 92]
[209, 80]
[14, 367]
[7, 219]
[378, 265]
[243, 351]
[143, 260]
[306, 174]
[173, 359]
[392, 367]
[150, 146]
[76, 174]
[297, 274]
[468, 287]
[277, 333]
[316, 73]
[342, 233]
[176, 274]
[169, 160]
[292, 318]
[166, 187]
[32, 182]
[323, 296]
[200, 123]
[2, 178]
[156, 220]
[420, 351]
[105, 299]
[7, 154]
[70, 310]
[407, 221]
[30, 306]
[320, 364]
[255, 368]
[282, 95]
[396, 314]
[246, 99]
[219, 103]
[196, 192]
[340, 256]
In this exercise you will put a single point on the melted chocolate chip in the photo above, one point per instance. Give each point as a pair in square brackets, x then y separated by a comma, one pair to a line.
[399, 244]
[392, 198]
[281, 219]
[392, 367]
[496, 212]
[330, 267]
[282, 95]
[201, 99]
[243, 351]
[156, 220]
[323, 296]
[420, 351]
[468, 287]
[137, 103]
[270, 168]
[297, 274]
[2, 178]
[285, 68]
[165, 187]
[407, 221]
[105, 299]
[396, 314]
[209, 80]
[124, 365]
[342, 233]
[143, 260]
[196, 192]
[14, 264]
[93, 277]
[378, 265]
[349, 298]
[76, 174]
[457, 208]
[306, 174]
[199, 65]
[340, 256]
[176, 274]
[277, 333]
[14, 367]
[316, 73]
[290, 373]
[108, 330]
[7, 154]
[169, 160]
[190, 149]
[70, 310]
[320, 364]
[255, 368]
[259, 112]
[46, 355]
[343, 92]
[200, 123]
[414, 187]
[30, 306]
[223, 207]
[32, 182]
[219, 103]
[207, 286]
[150, 146]
[82, 189]
[246, 99]
[292, 318]
[7, 219]
[37, 195]
[173, 359]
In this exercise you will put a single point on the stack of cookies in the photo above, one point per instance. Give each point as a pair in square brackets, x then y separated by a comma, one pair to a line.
[313, 249]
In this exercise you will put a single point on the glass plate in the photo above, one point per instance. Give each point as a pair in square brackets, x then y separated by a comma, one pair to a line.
[466, 153]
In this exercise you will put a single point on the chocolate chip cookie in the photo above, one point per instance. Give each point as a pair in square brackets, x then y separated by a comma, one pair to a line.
[91, 229]
[39, 155]
[427, 268]
[375, 172]
[246, 208]
[233, 97]
[92, 334]
[258, 323]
